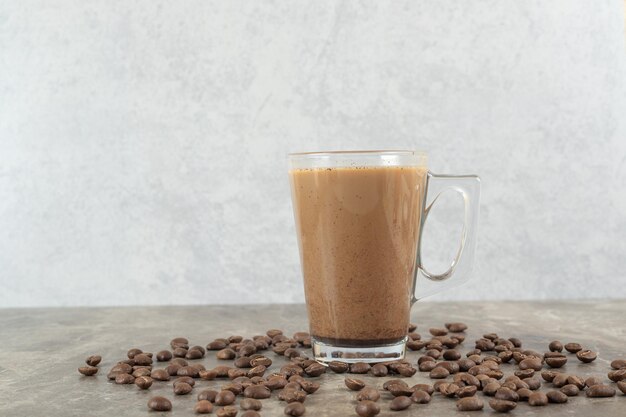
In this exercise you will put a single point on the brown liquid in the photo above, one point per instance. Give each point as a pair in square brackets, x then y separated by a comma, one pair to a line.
[358, 230]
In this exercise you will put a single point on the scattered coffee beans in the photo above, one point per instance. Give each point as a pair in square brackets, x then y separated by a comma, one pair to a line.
[143, 382]
[368, 393]
[224, 397]
[228, 411]
[616, 364]
[159, 404]
[338, 367]
[93, 360]
[367, 409]
[456, 327]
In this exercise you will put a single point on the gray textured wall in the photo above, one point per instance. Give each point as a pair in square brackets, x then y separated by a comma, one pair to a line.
[142, 144]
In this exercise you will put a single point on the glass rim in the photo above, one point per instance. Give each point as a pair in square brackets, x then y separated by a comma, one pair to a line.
[386, 152]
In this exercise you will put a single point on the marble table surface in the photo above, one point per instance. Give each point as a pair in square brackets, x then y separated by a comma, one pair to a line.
[41, 349]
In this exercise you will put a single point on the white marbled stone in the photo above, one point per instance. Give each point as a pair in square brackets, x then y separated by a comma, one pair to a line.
[142, 144]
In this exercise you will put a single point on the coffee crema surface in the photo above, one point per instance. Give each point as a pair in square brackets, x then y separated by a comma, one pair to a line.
[358, 229]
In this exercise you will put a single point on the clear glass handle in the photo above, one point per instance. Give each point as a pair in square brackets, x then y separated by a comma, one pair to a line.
[458, 273]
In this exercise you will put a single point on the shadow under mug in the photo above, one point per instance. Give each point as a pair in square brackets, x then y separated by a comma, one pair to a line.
[359, 219]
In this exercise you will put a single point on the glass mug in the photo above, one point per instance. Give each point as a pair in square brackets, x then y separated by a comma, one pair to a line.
[359, 217]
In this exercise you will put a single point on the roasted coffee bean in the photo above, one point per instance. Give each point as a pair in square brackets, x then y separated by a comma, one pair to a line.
[456, 327]
[275, 382]
[208, 395]
[179, 342]
[494, 359]
[440, 384]
[258, 392]
[143, 382]
[458, 337]
[160, 375]
[398, 390]
[250, 404]
[412, 327]
[466, 391]
[548, 376]
[439, 373]
[525, 373]
[592, 380]
[477, 359]
[438, 331]
[523, 394]
[616, 376]
[194, 354]
[622, 386]
[502, 406]
[556, 362]
[179, 352]
[94, 360]
[226, 354]
[274, 332]
[224, 397]
[616, 364]
[217, 344]
[242, 362]
[570, 390]
[391, 382]
[451, 355]
[449, 390]
[189, 371]
[560, 380]
[124, 379]
[555, 346]
[491, 388]
[467, 379]
[292, 395]
[159, 404]
[182, 388]
[400, 403]
[88, 370]
[470, 404]
[257, 371]
[421, 397]
[379, 370]
[573, 347]
[260, 360]
[367, 409]
[600, 390]
[141, 371]
[531, 383]
[406, 370]
[465, 364]
[530, 363]
[227, 411]
[537, 399]
[433, 353]
[516, 342]
[415, 345]
[451, 366]
[354, 384]
[414, 336]
[556, 397]
[234, 387]
[586, 356]
[133, 352]
[295, 409]
[164, 356]
[506, 394]
[235, 339]
[122, 368]
[203, 407]
[338, 367]
[510, 385]
[485, 345]
[315, 369]
[368, 393]
[427, 366]
[180, 362]
[309, 387]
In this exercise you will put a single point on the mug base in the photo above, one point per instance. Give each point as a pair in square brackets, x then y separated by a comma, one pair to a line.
[324, 352]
